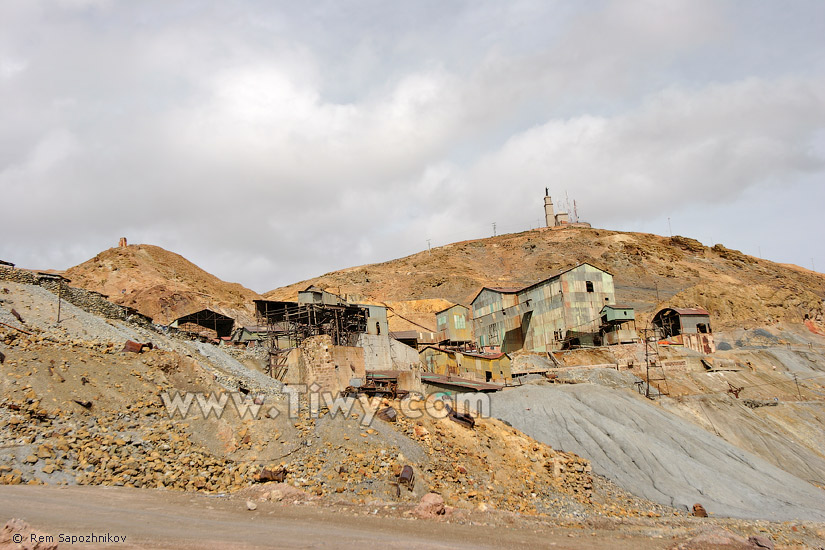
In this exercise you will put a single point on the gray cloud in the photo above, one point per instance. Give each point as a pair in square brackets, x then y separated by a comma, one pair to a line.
[274, 143]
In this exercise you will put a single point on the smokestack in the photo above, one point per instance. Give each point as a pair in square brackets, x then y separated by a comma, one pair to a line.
[549, 218]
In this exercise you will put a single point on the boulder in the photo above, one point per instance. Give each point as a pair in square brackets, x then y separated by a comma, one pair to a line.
[430, 506]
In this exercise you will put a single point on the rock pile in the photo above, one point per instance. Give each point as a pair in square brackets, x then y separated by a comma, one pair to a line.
[137, 449]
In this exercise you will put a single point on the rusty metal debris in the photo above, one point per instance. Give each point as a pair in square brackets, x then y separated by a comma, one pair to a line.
[734, 390]
[406, 477]
[463, 419]
[379, 387]
[17, 316]
[267, 475]
[15, 328]
[84, 404]
[136, 347]
[387, 414]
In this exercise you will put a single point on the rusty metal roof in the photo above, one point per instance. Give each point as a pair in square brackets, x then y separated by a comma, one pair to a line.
[512, 290]
[404, 334]
[470, 353]
[690, 311]
[499, 289]
[451, 307]
[472, 385]
[505, 289]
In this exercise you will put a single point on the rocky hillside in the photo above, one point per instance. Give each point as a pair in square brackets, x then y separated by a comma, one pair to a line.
[161, 284]
[75, 410]
[649, 272]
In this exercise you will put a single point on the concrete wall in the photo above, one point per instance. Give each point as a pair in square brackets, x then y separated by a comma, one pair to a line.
[376, 320]
[377, 353]
[410, 381]
[403, 356]
[384, 353]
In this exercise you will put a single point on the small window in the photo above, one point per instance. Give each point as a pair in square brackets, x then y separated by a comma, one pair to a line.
[589, 285]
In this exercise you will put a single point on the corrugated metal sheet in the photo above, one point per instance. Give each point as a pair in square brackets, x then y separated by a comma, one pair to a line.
[690, 311]
[465, 383]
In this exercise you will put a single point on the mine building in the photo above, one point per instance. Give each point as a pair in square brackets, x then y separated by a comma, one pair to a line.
[558, 312]
[320, 313]
[483, 367]
[454, 326]
[205, 323]
[688, 327]
[415, 339]
[618, 325]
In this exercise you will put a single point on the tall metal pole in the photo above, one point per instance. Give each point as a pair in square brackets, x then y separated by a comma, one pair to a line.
[59, 298]
[647, 363]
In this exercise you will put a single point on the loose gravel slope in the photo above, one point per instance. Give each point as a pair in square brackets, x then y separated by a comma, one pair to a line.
[657, 455]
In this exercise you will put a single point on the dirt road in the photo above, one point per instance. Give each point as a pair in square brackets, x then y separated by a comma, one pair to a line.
[172, 520]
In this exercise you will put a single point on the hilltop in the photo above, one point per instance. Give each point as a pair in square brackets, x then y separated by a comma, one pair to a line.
[160, 284]
[650, 272]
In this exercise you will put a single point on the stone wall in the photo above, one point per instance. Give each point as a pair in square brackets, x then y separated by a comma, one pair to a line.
[86, 300]
[317, 361]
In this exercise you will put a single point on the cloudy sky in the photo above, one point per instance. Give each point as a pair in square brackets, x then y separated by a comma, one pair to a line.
[270, 142]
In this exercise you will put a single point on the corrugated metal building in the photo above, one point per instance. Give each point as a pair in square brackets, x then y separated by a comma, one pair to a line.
[454, 325]
[689, 327]
[616, 326]
[476, 366]
[546, 315]
[496, 321]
